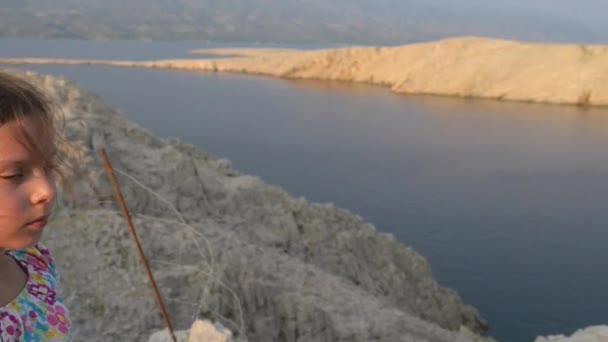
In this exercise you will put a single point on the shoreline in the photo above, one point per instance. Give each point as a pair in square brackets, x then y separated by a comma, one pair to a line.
[469, 67]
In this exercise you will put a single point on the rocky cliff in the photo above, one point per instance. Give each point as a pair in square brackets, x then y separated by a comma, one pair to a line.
[227, 247]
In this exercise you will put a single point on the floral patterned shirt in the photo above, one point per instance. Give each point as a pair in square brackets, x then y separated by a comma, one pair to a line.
[37, 314]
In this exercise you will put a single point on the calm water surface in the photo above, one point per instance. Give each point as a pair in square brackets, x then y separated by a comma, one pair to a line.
[508, 201]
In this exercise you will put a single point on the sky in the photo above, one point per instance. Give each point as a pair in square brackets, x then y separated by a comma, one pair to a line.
[556, 20]
[396, 21]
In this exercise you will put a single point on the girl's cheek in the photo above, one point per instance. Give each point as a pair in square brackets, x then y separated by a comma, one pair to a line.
[7, 188]
[11, 201]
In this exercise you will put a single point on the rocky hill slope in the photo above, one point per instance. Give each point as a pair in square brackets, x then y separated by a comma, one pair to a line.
[227, 247]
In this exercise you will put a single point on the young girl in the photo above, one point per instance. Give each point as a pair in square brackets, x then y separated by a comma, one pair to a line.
[30, 309]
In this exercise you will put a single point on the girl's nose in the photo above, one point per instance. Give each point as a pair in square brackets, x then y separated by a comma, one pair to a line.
[43, 189]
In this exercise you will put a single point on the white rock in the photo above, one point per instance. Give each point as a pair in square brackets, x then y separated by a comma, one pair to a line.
[591, 334]
[205, 331]
[201, 331]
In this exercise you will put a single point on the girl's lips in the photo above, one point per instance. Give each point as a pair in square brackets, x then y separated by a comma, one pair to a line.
[39, 223]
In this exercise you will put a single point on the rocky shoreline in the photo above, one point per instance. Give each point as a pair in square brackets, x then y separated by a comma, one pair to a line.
[465, 67]
[268, 266]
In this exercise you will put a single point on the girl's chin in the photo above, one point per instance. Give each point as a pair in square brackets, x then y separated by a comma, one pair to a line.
[29, 242]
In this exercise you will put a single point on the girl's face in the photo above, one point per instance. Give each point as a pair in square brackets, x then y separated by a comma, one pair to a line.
[27, 186]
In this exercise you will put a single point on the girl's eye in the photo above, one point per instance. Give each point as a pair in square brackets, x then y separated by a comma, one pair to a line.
[14, 177]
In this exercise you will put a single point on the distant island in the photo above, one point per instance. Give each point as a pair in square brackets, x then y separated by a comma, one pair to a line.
[466, 67]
